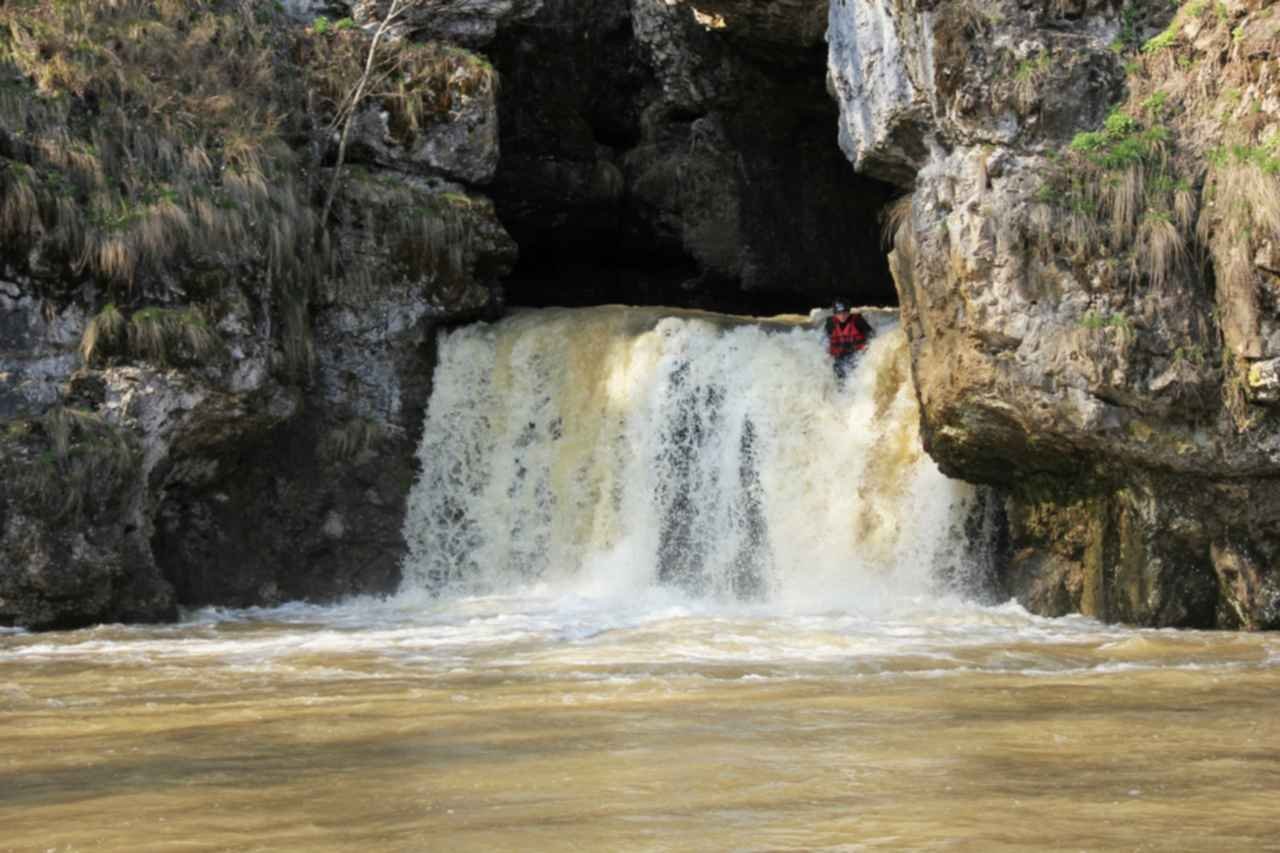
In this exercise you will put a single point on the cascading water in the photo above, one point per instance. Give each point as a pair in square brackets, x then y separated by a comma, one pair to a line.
[613, 449]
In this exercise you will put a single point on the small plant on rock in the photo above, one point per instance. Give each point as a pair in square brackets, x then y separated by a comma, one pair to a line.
[104, 333]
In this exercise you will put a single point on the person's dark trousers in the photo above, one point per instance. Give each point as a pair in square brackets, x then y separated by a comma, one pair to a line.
[844, 365]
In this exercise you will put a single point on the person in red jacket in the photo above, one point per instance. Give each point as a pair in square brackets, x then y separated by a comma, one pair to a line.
[847, 336]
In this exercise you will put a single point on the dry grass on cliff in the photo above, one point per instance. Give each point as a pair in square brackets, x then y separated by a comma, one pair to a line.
[103, 333]
[894, 218]
[85, 461]
[144, 142]
[415, 84]
[163, 336]
[146, 133]
[149, 131]
[1181, 186]
[172, 335]
[1188, 165]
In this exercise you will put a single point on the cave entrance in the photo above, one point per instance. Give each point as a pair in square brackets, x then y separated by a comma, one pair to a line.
[612, 261]
[794, 262]
[616, 191]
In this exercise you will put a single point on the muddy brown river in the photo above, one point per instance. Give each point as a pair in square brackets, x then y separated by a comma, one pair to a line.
[495, 723]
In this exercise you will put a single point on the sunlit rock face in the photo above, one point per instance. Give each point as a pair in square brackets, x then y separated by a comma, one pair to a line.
[472, 23]
[1101, 383]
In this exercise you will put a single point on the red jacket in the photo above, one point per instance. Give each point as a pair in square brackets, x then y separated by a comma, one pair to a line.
[848, 337]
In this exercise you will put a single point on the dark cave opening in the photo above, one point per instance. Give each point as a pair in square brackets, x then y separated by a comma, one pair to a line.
[555, 269]
[616, 192]
[811, 255]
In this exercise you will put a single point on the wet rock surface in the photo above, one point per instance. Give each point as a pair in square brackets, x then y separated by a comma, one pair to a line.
[74, 525]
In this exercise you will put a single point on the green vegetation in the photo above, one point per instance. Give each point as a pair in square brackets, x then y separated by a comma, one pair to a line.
[1154, 103]
[1265, 157]
[1183, 176]
[1122, 142]
[1028, 75]
[1158, 43]
[1193, 354]
[323, 26]
[1117, 187]
[1096, 320]
[1129, 37]
[1029, 68]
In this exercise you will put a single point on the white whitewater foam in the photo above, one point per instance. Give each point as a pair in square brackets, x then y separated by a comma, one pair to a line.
[606, 451]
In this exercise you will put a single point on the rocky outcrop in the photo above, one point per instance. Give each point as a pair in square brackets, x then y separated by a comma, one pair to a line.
[73, 545]
[37, 349]
[471, 23]
[246, 483]
[311, 507]
[221, 405]
[1088, 329]
[459, 142]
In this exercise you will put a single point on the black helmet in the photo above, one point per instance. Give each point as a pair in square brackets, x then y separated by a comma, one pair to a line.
[839, 306]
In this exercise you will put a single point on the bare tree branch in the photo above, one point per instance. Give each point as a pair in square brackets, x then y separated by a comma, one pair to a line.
[352, 104]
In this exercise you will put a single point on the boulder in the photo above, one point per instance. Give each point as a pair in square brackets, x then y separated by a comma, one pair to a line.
[73, 525]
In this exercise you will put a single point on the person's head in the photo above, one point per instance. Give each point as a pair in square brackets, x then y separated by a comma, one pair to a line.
[839, 307]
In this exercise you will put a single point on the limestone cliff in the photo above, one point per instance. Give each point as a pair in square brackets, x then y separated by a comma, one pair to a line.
[213, 252]
[1087, 264]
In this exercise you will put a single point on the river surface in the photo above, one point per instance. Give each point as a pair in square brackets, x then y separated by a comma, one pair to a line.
[561, 722]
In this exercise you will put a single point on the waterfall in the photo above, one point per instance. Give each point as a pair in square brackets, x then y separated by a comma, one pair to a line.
[614, 449]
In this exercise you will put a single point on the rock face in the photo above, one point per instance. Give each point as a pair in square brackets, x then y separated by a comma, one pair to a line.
[1084, 331]
[310, 505]
[471, 23]
[244, 484]
[37, 349]
[235, 424]
[73, 526]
